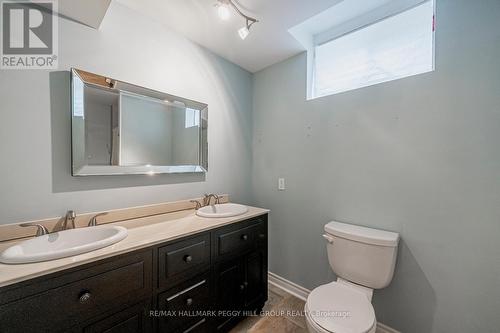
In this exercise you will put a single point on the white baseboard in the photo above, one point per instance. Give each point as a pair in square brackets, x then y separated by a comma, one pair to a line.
[302, 293]
[288, 286]
[381, 328]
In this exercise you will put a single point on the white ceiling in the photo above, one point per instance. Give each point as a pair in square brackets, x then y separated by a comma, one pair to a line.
[88, 12]
[269, 41]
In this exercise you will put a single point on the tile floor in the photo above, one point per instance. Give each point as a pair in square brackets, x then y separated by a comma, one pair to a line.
[284, 315]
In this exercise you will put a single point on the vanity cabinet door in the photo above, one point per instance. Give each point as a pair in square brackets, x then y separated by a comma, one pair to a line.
[255, 279]
[229, 293]
[241, 285]
[135, 319]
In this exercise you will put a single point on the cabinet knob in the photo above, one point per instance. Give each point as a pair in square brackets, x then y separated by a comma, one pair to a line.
[244, 237]
[189, 301]
[84, 297]
[262, 236]
[243, 285]
[188, 258]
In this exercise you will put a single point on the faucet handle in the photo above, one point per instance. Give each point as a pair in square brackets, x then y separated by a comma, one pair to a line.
[42, 230]
[218, 198]
[198, 204]
[93, 220]
[71, 216]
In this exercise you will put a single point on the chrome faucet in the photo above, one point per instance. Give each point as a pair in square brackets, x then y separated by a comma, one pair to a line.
[42, 230]
[93, 220]
[71, 216]
[206, 199]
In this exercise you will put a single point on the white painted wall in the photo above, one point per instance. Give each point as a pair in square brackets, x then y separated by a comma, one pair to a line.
[35, 180]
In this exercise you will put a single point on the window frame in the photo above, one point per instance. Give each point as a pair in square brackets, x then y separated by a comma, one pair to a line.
[320, 39]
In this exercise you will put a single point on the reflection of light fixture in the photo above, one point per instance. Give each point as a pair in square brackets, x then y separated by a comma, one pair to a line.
[223, 12]
[243, 32]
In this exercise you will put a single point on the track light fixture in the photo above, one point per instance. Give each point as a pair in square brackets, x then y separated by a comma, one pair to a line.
[224, 12]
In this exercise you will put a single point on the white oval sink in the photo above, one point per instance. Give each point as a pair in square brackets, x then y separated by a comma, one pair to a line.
[63, 244]
[222, 210]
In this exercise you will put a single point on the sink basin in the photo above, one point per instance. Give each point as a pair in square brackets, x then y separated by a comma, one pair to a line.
[222, 210]
[63, 244]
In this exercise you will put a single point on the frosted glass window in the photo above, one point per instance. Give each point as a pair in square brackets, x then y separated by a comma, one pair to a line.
[192, 118]
[396, 47]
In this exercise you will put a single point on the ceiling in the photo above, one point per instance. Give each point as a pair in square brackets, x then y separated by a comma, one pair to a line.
[269, 41]
[88, 12]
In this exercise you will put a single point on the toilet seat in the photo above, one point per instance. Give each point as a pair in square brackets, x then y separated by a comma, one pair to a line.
[338, 308]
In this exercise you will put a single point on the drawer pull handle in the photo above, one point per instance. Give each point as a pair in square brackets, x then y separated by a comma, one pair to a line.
[189, 301]
[262, 236]
[188, 259]
[84, 297]
[186, 290]
[244, 237]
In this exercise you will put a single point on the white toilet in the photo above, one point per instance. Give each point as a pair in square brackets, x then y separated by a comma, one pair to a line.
[363, 259]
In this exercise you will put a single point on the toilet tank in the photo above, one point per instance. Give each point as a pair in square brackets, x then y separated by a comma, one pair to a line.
[362, 255]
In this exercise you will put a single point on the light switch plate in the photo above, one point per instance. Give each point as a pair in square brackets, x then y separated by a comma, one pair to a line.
[281, 184]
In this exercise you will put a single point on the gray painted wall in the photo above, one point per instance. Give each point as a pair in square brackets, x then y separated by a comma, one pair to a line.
[419, 156]
[35, 124]
[146, 132]
[186, 142]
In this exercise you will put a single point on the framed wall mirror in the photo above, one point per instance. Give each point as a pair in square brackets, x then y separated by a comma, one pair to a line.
[119, 128]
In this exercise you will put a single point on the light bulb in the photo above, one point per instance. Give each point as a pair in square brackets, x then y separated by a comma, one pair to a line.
[243, 32]
[223, 11]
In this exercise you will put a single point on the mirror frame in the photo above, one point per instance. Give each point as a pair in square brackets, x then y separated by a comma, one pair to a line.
[102, 82]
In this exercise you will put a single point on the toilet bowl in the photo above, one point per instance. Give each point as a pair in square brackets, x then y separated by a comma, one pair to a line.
[363, 259]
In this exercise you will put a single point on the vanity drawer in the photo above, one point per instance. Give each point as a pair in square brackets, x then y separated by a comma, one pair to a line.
[185, 305]
[238, 238]
[201, 326]
[182, 260]
[99, 288]
[134, 319]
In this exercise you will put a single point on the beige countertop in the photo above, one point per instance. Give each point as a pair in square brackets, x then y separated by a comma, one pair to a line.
[142, 232]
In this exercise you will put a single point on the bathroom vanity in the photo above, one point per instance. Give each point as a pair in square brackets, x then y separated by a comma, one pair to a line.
[193, 281]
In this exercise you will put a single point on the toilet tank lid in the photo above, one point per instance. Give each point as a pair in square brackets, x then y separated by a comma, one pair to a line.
[363, 234]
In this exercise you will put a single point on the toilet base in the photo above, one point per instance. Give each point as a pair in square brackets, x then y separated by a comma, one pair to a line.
[312, 327]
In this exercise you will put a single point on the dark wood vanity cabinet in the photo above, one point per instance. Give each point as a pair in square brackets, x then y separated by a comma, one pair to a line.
[205, 282]
[240, 270]
[240, 285]
[64, 300]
